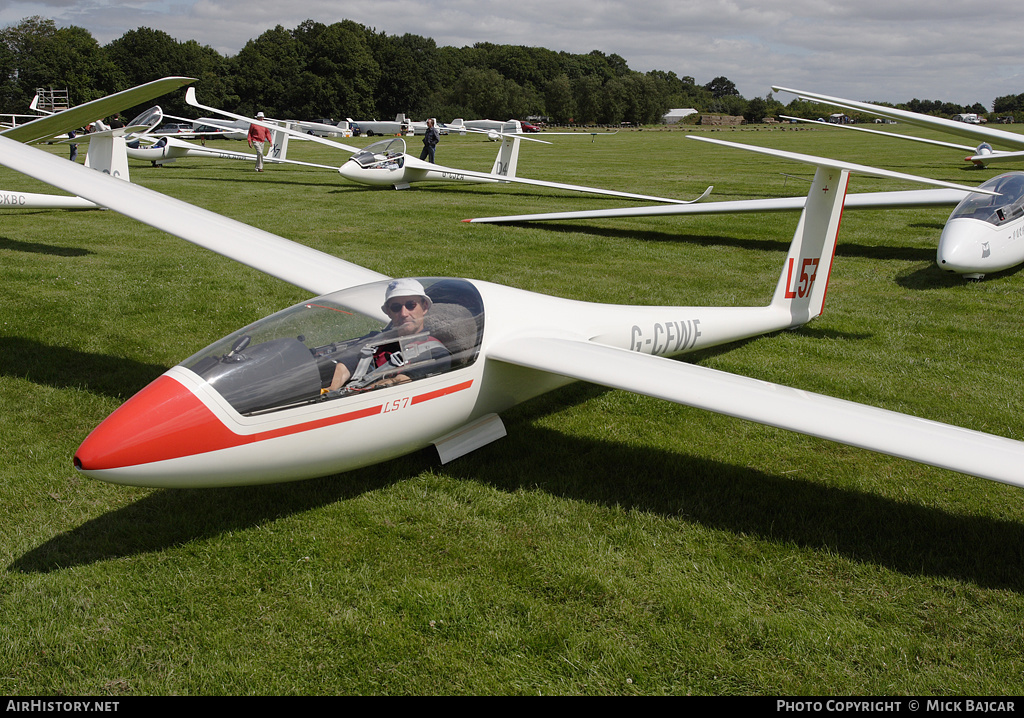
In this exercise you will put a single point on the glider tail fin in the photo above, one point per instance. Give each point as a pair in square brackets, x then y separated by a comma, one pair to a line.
[804, 278]
[279, 144]
[108, 154]
[508, 157]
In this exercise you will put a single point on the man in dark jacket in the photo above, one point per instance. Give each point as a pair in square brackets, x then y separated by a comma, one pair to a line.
[430, 139]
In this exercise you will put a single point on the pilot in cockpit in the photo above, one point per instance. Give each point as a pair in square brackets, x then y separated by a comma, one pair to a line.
[391, 357]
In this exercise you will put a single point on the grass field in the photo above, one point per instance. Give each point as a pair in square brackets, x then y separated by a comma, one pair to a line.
[611, 544]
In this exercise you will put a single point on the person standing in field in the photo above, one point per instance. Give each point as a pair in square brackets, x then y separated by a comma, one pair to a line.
[430, 139]
[258, 134]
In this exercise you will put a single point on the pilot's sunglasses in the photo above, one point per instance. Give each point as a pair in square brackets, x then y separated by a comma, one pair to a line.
[396, 307]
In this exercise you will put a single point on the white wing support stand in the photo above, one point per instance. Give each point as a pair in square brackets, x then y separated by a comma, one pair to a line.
[470, 437]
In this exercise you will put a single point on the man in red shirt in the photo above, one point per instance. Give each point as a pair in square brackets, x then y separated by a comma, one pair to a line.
[258, 134]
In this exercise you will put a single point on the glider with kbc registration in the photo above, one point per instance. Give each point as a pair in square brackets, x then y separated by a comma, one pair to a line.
[435, 360]
[106, 147]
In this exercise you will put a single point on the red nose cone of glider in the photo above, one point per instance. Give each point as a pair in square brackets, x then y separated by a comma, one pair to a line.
[163, 421]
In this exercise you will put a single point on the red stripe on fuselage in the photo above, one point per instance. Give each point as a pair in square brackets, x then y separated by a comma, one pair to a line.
[441, 392]
[167, 421]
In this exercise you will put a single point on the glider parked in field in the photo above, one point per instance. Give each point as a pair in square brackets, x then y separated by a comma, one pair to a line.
[261, 406]
[495, 130]
[983, 234]
[106, 147]
[386, 164]
[163, 149]
[982, 155]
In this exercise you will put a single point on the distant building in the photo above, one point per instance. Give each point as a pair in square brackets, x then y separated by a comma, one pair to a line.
[840, 119]
[673, 116]
[722, 120]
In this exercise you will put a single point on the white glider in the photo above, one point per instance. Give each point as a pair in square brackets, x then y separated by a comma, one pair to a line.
[252, 407]
[106, 148]
[386, 164]
[984, 233]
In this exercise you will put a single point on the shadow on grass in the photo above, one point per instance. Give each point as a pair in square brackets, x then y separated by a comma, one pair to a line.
[909, 538]
[931, 277]
[36, 248]
[64, 368]
[173, 517]
[843, 249]
[273, 175]
[905, 537]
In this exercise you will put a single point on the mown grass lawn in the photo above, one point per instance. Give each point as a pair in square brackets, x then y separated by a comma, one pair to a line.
[611, 544]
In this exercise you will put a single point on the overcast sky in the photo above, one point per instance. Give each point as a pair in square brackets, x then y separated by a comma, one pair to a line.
[888, 50]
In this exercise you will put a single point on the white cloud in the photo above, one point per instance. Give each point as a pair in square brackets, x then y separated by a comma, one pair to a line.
[873, 49]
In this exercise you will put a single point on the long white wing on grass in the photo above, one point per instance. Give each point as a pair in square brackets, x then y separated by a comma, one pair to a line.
[904, 199]
[996, 156]
[289, 261]
[412, 162]
[949, 195]
[82, 115]
[195, 150]
[929, 442]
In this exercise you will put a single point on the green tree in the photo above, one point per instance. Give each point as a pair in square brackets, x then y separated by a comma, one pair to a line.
[267, 76]
[144, 55]
[722, 87]
[340, 73]
[587, 94]
[38, 54]
[755, 111]
[1008, 104]
[559, 102]
[408, 74]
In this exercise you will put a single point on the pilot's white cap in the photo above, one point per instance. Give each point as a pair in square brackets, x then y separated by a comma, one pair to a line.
[406, 288]
[260, 115]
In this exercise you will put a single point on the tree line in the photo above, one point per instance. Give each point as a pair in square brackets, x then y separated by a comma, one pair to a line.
[348, 70]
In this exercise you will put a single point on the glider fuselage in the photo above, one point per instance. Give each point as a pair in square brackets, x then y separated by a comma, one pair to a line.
[258, 414]
[985, 233]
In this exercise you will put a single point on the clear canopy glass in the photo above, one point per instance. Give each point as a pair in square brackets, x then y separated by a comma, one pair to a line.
[291, 358]
[995, 209]
[386, 154]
